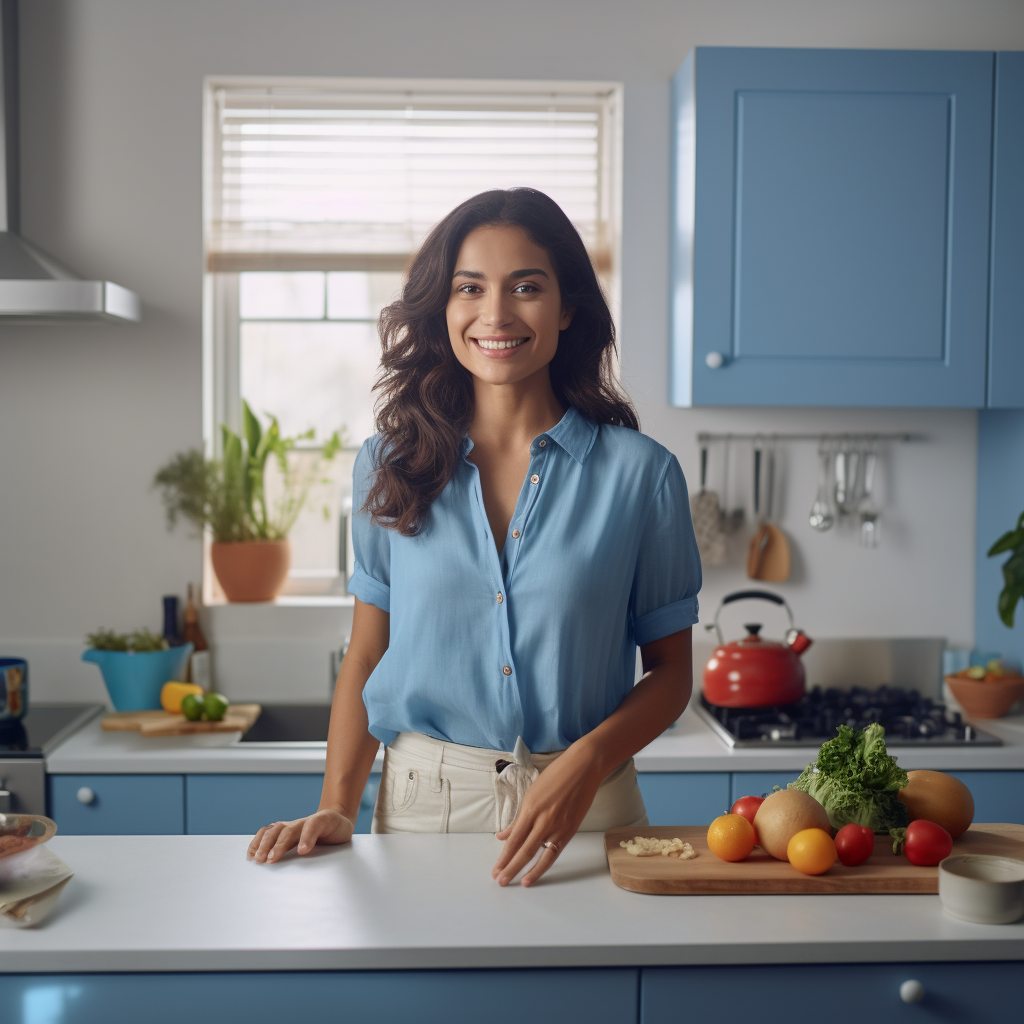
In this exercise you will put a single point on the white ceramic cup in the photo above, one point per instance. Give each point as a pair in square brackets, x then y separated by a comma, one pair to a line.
[982, 889]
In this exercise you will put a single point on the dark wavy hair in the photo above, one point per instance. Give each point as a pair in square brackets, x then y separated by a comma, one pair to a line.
[426, 398]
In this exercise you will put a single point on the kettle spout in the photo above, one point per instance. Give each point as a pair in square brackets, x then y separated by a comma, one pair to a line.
[798, 641]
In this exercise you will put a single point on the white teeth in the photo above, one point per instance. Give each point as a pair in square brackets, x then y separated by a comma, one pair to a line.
[497, 345]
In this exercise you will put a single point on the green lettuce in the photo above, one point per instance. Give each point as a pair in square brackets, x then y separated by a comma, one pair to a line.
[856, 781]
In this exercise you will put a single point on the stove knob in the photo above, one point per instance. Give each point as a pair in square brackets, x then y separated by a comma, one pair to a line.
[86, 795]
[912, 991]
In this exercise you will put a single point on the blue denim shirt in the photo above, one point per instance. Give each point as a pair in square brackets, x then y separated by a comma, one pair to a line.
[539, 641]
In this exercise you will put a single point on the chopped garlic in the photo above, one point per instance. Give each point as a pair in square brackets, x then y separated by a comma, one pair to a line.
[641, 846]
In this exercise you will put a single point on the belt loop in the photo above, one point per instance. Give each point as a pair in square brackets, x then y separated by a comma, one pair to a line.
[436, 756]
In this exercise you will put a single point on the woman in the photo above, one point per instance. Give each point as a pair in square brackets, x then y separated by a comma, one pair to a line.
[517, 538]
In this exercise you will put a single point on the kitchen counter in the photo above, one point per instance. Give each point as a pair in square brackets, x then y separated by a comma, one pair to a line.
[428, 901]
[690, 746]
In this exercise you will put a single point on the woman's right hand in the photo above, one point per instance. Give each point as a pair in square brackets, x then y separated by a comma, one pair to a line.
[272, 842]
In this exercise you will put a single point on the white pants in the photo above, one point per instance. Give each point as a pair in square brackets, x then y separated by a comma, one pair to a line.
[428, 785]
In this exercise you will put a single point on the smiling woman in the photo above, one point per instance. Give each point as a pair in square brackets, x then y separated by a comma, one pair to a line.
[516, 538]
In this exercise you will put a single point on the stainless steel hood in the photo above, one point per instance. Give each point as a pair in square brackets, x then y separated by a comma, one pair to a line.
[34, 288]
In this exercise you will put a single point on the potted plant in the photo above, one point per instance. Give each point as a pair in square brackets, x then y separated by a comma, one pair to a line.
[249, 550]
[135, 666]
[1013, 570]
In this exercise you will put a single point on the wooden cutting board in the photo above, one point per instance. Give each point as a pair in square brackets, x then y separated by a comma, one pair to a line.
[237, 718]
[706, 875]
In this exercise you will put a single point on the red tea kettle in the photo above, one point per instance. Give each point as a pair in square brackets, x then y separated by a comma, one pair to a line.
[754, 672]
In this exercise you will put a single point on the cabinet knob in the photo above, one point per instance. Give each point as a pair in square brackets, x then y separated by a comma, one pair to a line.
[85, 795]
[912, 991]
[714, 360]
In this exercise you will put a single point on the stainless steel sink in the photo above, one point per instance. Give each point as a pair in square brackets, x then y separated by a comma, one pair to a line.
[290, 723]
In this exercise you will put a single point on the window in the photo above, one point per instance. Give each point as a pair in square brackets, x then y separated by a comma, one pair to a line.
[317, 192]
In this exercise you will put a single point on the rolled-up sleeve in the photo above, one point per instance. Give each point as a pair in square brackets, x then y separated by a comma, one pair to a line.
[668, 573]
[371, 573]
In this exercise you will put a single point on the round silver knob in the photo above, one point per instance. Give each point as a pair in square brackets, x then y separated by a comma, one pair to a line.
[85, 795]
[714, 360]
[912, 991]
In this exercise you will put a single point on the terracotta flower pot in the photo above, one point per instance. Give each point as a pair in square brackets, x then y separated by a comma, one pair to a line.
[986, 698]
[251, 570]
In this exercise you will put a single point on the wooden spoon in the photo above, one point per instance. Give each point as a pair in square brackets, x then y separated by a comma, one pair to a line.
[758, 543]
[775, 560]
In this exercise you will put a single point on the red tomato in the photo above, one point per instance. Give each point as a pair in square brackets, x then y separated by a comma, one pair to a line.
[854, 844]
[747, 806]
[927, 843]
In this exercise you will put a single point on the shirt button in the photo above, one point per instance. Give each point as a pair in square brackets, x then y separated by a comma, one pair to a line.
[515, 533]
[542, 442]
[507, 670]
[534, 479]
[500, 599]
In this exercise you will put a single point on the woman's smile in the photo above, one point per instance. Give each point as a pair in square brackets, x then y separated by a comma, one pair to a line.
[499, 346]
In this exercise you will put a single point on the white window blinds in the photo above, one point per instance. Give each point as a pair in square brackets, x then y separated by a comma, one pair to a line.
[352, 174]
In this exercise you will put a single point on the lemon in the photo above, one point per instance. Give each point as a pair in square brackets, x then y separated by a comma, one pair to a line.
[172, 694]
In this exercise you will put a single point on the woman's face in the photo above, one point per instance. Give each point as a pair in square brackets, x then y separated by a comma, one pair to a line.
[505, 307]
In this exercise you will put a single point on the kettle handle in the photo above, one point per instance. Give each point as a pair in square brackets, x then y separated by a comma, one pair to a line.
[744, 595]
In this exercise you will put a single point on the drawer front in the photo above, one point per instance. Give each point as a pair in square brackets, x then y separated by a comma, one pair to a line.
[684, 798]
[968, 993]
[243, 804]
[118, 805]
[552, 996]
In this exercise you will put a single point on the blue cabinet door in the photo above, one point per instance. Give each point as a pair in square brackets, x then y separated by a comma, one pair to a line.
[106, 805]
[1006, 321]
[831, 227]
[684, 798]
[969, 993]
[759, 783]
[998, 796]
[242, 804]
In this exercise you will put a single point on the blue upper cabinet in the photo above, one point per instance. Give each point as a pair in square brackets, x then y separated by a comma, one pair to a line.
[831, 227]
[1006, 324]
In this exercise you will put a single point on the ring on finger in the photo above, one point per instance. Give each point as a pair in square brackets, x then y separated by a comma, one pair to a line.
[548, 845]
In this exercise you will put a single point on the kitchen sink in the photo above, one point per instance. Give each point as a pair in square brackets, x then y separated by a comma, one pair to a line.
[290, 723]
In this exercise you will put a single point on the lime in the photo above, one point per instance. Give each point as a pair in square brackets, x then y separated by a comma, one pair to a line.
[215, 704]
[192, 707]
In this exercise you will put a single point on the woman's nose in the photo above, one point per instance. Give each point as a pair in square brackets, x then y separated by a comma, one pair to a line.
[496, 311]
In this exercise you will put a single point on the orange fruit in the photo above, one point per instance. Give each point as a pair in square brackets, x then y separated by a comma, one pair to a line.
[731, 837]
[812, 851]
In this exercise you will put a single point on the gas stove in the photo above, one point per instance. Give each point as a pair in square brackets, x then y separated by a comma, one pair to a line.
[909, 720]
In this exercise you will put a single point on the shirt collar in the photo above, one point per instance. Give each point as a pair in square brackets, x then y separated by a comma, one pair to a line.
[575, 432]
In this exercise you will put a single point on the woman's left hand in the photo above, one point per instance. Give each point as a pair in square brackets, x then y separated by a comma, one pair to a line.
[552, 810]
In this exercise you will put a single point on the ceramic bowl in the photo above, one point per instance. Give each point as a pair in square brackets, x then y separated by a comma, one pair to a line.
[20, 832]
[982, 889]
[986, 699]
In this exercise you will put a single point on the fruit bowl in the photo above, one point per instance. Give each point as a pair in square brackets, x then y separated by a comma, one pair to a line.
[19, 832]
[986, 698]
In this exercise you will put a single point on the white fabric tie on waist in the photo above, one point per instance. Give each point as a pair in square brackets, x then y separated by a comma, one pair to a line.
[511, 784]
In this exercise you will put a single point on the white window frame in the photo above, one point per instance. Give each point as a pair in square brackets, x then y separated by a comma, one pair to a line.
[221, 400]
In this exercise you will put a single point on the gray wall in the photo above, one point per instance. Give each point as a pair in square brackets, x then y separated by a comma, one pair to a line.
[111, 93]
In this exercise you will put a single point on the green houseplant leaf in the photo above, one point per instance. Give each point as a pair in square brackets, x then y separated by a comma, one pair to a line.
[1013, 571]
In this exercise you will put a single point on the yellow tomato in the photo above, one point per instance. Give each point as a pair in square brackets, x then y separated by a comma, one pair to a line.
[172, 693]
[812, 851]
[731, 837]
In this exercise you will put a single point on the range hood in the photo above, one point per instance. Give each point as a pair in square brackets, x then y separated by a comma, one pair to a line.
[34, 288]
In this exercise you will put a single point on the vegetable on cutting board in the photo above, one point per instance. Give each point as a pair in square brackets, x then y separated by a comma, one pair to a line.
[938, 797]
[811, 851]
[747, 806]
[854, 844]
[924, 843]
[856, 781]
[172, 694]
[783, 814]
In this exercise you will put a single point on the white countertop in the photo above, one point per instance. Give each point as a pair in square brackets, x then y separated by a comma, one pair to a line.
[690, 746]
[428, 901]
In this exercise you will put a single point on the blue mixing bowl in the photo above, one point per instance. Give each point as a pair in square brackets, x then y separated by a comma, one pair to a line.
[134, 679]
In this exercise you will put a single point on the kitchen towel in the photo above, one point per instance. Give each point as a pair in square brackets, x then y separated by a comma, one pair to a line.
[30, 883]
[512, 783]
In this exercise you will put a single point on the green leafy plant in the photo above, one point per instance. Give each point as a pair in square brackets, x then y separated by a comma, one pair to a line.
[139, 640]
[228, 495]
[1013, 570]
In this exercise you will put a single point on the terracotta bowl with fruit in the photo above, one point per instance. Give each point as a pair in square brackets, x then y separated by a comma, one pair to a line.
[987, 692]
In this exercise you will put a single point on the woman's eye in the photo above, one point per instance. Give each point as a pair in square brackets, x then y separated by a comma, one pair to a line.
[528, 286]
[466, 289]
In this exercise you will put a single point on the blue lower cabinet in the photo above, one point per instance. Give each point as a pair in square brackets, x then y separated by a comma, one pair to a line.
[998, 796]
[551, 996]
[242, 804]
[968, 993]
[684, 798]
[758, 783]
[117, 805]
